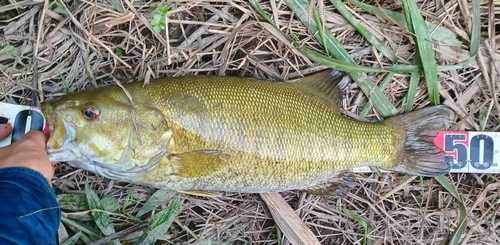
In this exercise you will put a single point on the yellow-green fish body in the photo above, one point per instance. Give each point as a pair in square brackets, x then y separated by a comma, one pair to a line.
[207, 133]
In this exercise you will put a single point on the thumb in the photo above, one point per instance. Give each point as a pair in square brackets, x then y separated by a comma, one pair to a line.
[5, 131]
[36, 137]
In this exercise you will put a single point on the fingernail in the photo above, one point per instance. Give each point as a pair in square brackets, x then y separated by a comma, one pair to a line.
[3, 120]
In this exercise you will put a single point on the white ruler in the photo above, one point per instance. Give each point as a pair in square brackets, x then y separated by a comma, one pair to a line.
[22, 119]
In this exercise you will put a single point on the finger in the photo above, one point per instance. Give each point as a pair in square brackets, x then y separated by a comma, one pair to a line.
[36, 137]
[5, 131]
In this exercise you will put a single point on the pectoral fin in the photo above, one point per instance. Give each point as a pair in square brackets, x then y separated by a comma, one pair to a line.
[337, 186]
[199, 163]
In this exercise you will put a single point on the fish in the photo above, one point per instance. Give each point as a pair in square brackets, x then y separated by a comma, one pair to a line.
[204, 134]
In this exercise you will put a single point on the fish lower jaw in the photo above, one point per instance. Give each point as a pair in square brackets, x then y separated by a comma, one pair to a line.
[120, 172]
[63, 154]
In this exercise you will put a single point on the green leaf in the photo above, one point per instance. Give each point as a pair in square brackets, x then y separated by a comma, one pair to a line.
[118, 52]
[164, 10]
[110, 204]
[72, 202]
[78, 202]
[160, 197]
[117, 5]
[160, 223]
[60, 10]
[157, 29]
[10, 51]
[89, 233]
[101, 218]
[462, 224]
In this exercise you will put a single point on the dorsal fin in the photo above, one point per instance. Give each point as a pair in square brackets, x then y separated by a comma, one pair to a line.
[327, 86]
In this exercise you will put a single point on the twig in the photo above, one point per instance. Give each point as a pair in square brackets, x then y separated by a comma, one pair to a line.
[37, 96]
[288, 221]
[146, 23]
[200, 31]
[79, 26]
[132, 111]
[17, 5]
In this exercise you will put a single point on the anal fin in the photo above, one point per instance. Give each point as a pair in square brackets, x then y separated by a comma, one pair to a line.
[337, 186]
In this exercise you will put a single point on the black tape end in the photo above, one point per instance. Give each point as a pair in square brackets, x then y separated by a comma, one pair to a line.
[3, 120]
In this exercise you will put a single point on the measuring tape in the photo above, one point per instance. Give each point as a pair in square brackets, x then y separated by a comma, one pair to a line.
[23, 119]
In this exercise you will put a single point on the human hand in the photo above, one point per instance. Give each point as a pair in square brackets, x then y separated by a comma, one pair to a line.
[28, 152]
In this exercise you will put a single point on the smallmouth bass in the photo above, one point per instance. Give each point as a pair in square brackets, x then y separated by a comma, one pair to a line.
[210, 133]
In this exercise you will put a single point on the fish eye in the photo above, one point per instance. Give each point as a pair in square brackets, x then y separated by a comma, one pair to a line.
[90, 112]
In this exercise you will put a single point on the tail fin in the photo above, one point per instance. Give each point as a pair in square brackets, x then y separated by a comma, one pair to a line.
[415, 131]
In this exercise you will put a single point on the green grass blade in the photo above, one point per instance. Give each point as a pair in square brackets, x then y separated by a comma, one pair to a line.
[424, 50]
[439, 33]
[262, 13]
[300, 9]
[463, 212]
[358, 219]
[404, 69]
[379, 100]
[73, 239]
[369, 37]
[321, 30]
[160, 197]
[412, 90]
[101, 218]
[160, 222]
[382, 86]
[336, 64]
[476, 29]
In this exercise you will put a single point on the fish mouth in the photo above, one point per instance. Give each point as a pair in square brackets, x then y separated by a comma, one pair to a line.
[61, 132]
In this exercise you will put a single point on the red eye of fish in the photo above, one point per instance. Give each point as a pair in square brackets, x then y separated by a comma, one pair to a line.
[90, 112]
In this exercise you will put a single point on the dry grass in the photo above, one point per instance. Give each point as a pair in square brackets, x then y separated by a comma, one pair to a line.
[79, 50]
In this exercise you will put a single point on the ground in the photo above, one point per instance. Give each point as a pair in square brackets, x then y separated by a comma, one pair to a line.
[55, 47]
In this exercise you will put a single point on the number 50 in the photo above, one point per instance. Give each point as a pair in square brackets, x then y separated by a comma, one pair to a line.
[479, 153]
